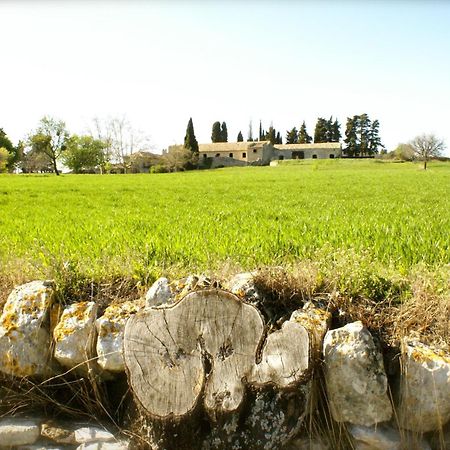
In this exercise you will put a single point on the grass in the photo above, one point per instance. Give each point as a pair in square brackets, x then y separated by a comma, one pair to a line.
[132, 225]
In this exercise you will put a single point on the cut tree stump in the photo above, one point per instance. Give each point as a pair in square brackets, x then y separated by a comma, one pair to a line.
[206, 348]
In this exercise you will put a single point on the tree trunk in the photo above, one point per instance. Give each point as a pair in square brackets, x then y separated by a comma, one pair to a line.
[425, 164]
[55, 168]
[201, 355]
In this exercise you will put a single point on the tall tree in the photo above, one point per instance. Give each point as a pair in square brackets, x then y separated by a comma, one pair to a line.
[278, 139]
[292, 136]
[364, 125]
[427, 146]
[374, 138]
[321, 130]
[190, 141]
[261, 134]
[240, 138]
[250, 132]
[303, 136]
[351, 140]
[50, 138]
[335, 131]
[224, 133]
[216, 135]
[271, 135]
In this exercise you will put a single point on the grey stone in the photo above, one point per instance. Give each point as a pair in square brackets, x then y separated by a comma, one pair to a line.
[424, 388]
[15, 432]
[376, 437]
[159, 293]
[85, 435]
[243, 285]
[355, 378]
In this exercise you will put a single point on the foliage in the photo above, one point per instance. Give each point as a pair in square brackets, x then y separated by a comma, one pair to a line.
[303, 136]
[202, 220]
[50, 139]
[362, 136]
[403, 152]
[224, 133]
[292, 136]
[4, 156]
[427, 146]
[216, 134]
[321, 131]
[190, 141]
[240, 138]
[179, 158]
[14, 153]
[84, 154]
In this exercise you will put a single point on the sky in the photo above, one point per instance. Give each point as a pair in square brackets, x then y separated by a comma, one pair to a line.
[158, 63]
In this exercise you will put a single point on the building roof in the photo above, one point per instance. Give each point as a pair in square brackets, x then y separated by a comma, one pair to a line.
[318, 146]
[231, 146]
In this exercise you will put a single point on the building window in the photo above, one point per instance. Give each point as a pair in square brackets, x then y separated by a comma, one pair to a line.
[314, 157]
[244, 155]
[230, 155]
[298, 155]
[281, 157]
[205, 155]
[254, 150]
[331, 156]
[217, 155]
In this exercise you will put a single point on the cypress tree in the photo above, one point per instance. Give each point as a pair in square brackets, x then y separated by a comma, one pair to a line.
[271, 136]
[240, 138]
[321, 130]
[303, 136]
[351, 140]
[224, 133]
[250, 132]
[279, 139]
[292, 136]
[261, 135]
[190, 142]
[216, 134]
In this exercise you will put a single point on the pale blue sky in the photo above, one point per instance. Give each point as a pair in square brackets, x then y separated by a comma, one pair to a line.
[161, 62]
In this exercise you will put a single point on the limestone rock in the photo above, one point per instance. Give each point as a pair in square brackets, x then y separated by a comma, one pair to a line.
[424, 388]
[243, 285]
[85, 435]
[24, 335]
[355, 378]
[18, 432]
[110, 329]
[122, 445]
[376, 437]
[40, 445]
[159, 293]
[58, 434]
[74, 334]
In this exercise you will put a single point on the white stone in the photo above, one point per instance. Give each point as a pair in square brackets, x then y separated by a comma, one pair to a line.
[18, 432]
[355, 378]
[424, 388]
[159, 293]
[85, 435]
[375, 437]
[243, 285]
[110, 328]
[24, 336]
[122, 445]
[40, 446]
[74, 333]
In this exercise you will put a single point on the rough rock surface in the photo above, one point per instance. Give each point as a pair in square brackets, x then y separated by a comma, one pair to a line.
[379, 437]
[355, 378]
[18, 432]
[159, 293]
[243, 285]
[424, 388]
[24, 336]
[110, 329]
[104, 446]
[93, 434]
[58, 434]
[74, 334]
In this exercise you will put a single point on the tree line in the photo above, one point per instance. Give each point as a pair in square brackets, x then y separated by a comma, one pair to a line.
[361, 134]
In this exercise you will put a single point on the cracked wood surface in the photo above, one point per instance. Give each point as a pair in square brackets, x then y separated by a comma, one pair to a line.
[205, 348]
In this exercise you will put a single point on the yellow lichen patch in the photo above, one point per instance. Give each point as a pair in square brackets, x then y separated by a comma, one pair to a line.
[423, 354]
[11, 365]
[72, 318]
[121, 311]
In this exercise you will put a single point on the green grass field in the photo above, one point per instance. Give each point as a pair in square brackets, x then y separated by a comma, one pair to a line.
[128, 225]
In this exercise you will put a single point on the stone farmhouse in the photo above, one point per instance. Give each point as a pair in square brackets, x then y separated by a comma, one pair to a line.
[224, 154]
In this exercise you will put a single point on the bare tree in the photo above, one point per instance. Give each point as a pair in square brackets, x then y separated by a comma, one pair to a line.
[427, 146]
[121, 137]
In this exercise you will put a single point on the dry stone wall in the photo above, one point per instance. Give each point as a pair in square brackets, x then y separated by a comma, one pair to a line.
[265, 406]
